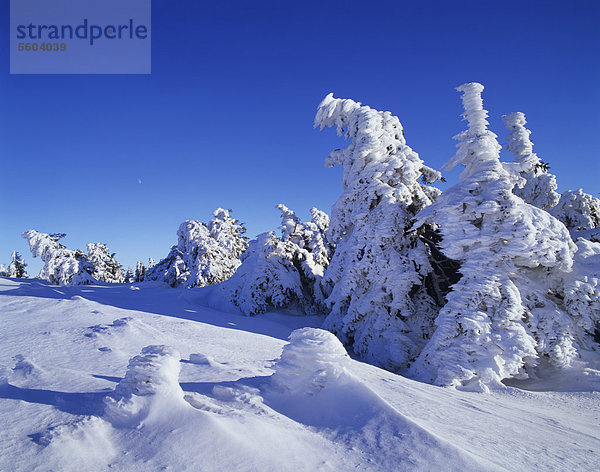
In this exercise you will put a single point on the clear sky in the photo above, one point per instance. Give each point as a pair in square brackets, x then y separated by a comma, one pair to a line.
[225, 118]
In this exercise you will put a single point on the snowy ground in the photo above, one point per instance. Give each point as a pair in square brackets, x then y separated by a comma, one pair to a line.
[69, 402]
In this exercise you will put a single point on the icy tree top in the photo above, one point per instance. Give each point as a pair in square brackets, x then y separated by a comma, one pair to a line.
[476, 144]
[534, 185]
[380, 169]
[518, 141]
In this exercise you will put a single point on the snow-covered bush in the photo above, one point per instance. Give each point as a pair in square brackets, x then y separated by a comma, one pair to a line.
[16, 268]
[204, 254]
[151, 384]
[62, 266]
[376, 281]
[283, 273]
[106, 267]
[499, 316]
[312, 358]
[536, 186]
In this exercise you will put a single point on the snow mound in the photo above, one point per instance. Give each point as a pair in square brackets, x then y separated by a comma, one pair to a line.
[312, 385]
[202, 359]
[313, 358]
[150, 384]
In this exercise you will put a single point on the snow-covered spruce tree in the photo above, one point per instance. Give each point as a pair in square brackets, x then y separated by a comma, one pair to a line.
[578, 210]
[283, 273]
[536, 186]
[311, 251]
[106, 267]
[3, 271]
[62, 266]
[129, 277]
[140, 271]
[204, 254]
[376, 281]
[267, 277]
[150, 263]
[581, 293]
[16, 268]
[498, 317]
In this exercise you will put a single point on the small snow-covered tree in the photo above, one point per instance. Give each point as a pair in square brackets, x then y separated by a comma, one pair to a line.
[140, 271]
[376, 282]
[3, 271]
[16, 268]
[106, 267]
[267, 278]
[62, 266]
[283, 273]
[311, 252]
[129, 278]
[499, 316]
[150, 263]
[537, 186]
[578, 210]
[204, 254]
[581, 292]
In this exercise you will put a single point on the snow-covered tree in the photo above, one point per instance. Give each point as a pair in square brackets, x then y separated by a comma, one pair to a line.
[267, 278]
[283, 273]
[581, 293]
[311, 251]
[376, 281]
[140, 271]
[150, 263]
[106, 267]
[129, 277]
[537, 186]
[204, 254]
[62, 266]
[16, 268]
[3, 271]
[578, 210]
[499, 316]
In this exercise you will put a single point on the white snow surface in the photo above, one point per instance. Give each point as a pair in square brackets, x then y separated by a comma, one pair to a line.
[142, 378]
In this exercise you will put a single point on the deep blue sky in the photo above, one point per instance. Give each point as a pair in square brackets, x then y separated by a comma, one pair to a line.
[225, 118]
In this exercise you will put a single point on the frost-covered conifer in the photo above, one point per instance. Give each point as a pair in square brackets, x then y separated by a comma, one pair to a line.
[498, 317]
[267, 277]
[129, 277]
[3, 271]
[376, 281]
[581, 292]
[140, 271]
[536, 186]
[204, 254]
[106, 267]
[578, 210]
[150, 263]
[62, 266]
[311, 251]
[283, 273]
[16, 268]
